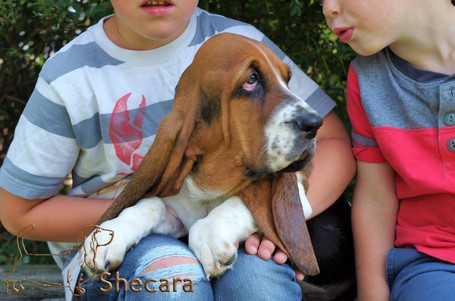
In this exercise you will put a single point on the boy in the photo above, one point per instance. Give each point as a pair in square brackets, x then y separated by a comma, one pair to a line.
[401, 102]
[94, 114]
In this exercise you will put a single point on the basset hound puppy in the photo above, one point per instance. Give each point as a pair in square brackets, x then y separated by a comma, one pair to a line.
[231, 159]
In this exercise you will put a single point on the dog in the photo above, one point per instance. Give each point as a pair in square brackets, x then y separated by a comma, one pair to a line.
[231, 159]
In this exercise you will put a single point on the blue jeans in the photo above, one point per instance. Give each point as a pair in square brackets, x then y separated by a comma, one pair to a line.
[416, 276]
[163, 268]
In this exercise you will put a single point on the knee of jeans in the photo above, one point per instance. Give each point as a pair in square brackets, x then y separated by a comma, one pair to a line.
[170, 262]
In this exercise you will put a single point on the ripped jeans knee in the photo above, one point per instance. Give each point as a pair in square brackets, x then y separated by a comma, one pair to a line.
[157, 268]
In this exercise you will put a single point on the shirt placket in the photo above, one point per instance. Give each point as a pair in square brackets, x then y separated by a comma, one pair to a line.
[446, 124]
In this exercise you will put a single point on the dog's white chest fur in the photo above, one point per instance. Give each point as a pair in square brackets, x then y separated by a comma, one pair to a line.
[192, 204]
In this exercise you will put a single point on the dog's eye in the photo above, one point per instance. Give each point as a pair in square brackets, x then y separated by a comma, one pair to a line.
[252, 82]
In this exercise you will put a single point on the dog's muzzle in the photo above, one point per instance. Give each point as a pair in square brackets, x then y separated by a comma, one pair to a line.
[291, 134]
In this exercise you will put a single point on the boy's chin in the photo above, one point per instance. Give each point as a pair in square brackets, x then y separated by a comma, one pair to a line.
[365, 49]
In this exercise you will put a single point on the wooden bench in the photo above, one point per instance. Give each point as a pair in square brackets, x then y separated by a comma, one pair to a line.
[31, 282]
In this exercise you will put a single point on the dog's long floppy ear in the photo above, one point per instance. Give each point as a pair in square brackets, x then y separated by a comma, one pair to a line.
[166, 164]
[276, 208]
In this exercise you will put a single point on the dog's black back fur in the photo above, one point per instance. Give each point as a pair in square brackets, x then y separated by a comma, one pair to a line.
[331, 235]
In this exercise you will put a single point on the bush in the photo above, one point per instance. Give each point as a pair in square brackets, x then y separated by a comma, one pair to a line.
[30, 32]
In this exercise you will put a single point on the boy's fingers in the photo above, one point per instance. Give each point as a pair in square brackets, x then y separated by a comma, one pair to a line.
[252, 244]
[299, 276]
[266, 249]
[280, 257]
[256, 244]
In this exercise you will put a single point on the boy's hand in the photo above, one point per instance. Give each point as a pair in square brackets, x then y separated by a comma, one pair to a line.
[264, 248]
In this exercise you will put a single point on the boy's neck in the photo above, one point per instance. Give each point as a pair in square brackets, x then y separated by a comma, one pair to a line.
[430, 44]
[436, 60]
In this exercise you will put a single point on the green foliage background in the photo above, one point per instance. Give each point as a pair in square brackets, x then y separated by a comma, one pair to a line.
[31, 31]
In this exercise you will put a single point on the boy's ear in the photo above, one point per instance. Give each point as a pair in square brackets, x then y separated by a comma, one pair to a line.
[276, 208]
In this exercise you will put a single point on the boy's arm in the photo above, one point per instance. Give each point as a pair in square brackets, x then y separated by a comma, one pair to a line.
[374, 212]
[59, 218]
[333, 164]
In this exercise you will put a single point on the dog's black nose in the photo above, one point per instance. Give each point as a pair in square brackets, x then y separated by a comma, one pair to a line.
[309, 123]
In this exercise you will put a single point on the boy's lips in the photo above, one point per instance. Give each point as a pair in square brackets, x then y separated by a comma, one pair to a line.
[157, 8]
[344, 34]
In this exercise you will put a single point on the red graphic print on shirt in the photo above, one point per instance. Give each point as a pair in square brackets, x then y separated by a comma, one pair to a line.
[125, 130]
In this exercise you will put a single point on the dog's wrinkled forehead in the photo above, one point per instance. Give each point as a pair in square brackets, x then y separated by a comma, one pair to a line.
[234, 54]
[232, 66]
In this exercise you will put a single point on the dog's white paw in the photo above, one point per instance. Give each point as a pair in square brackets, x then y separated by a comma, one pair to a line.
[105, 247]
[214, 245]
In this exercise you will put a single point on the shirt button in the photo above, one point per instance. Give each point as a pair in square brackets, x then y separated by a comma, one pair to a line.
[449, 118]
[451, 145]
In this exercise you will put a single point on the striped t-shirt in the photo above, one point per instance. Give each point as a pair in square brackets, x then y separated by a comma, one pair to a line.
[406, 117]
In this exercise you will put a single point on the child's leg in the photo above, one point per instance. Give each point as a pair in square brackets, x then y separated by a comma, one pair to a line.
[157, 268]
[415, 276]
[255, 279]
